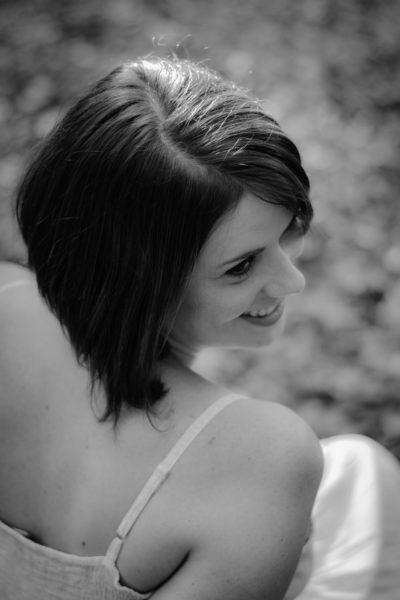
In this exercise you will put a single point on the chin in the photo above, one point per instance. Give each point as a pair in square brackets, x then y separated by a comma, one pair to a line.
[264, 337]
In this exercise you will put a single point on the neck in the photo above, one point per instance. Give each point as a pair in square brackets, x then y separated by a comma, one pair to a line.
[182, 354]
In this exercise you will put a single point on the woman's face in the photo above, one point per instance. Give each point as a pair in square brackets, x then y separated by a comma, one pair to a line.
[236, 295]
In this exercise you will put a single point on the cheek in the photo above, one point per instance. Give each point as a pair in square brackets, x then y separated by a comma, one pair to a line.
[241, 296]
[231, 301]
[211, 305]
[195, 308]
[207, 308]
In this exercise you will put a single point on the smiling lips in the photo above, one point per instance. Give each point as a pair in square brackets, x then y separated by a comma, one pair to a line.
[264, 316]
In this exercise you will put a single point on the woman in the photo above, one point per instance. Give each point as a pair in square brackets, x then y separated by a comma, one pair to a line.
[162, 215]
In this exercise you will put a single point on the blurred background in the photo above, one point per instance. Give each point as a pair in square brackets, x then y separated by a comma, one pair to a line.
[329, 71]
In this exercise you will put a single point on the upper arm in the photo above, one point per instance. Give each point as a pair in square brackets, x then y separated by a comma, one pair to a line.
[254, 525]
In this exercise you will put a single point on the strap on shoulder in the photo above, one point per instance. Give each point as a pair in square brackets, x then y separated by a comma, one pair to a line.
[162, 471]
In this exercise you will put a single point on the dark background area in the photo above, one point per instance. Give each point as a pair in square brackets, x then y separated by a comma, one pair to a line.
[329, 71]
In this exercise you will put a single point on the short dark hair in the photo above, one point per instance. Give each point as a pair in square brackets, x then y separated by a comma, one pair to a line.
[121, 197]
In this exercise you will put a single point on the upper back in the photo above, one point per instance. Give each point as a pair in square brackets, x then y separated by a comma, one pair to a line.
[67, 478]
[39, 379]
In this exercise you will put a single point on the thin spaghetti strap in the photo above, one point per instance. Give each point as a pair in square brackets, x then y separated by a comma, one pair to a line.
[162, 471]
[13, 284]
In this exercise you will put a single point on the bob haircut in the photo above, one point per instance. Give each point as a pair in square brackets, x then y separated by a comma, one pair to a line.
[121, 197]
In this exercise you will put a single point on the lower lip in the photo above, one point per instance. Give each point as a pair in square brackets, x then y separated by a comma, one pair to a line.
[266, 321]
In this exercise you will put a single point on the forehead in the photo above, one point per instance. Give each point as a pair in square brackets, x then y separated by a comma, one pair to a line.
[254, 223]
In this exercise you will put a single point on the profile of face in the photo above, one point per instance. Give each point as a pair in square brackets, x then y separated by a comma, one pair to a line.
[236, 295]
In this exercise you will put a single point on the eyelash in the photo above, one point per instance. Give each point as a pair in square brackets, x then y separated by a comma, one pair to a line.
[242, 268]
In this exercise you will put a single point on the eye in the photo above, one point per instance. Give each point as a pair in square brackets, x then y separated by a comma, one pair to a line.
[242, 268]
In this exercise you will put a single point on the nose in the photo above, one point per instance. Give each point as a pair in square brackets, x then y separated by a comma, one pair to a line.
[283, 278]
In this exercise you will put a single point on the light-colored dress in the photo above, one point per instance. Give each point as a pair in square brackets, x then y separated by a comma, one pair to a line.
[356, 523]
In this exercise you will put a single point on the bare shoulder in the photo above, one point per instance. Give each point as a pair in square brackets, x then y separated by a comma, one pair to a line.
[24, 316]
[273, 453]
[12, 272]
[251, 523]
[18, 290]
[30, 335]
[268, 438]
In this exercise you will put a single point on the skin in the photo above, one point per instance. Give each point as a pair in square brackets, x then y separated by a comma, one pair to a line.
[223, 287]
[231, 520]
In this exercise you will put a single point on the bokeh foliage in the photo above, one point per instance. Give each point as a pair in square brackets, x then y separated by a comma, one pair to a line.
[329, 71]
